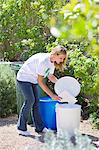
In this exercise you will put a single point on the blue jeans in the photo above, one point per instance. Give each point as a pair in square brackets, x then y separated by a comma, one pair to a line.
[31, 100]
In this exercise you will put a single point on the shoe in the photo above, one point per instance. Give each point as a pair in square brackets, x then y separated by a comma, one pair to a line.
[42, 131]
[24, 133]
[45, 130]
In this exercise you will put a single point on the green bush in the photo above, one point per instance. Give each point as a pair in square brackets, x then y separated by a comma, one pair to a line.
[85, 68]
[7, 91]
[94, 112]
[81, 65]
[24, 27]
[78, 20]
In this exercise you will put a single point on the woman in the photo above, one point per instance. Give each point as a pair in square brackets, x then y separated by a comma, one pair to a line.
[33, 72]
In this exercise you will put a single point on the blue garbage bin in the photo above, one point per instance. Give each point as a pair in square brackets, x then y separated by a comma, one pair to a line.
[48, 113]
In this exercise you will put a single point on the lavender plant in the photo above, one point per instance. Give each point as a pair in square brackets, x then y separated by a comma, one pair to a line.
[63, 142]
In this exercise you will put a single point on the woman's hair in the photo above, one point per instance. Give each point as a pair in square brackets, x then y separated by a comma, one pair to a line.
[58, 50]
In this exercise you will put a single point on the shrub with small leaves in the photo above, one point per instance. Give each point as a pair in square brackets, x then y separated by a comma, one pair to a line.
[63, 142]
[7, 91]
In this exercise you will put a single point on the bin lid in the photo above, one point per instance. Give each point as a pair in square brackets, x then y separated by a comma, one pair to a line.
[69, 84]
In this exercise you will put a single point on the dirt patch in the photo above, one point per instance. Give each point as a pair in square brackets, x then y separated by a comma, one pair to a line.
[10, 140]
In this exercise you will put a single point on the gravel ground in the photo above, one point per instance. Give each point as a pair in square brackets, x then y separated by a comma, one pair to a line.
[10, 140]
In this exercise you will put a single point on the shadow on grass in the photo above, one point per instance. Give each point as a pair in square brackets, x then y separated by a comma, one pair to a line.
[93, 138]
[39, 138]
[8, 121]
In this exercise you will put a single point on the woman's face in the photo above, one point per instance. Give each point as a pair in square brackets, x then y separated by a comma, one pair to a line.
[60, 58]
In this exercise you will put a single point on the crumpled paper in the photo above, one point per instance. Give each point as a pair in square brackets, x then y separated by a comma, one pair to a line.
[67, 97]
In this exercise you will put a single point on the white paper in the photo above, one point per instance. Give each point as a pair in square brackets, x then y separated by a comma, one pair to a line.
[67, 97]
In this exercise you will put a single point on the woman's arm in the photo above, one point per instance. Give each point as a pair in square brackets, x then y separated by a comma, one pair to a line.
[52, 78]
[46, 89]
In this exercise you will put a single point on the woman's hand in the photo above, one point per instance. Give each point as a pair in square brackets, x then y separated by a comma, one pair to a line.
[55, 97]
[46, 89]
